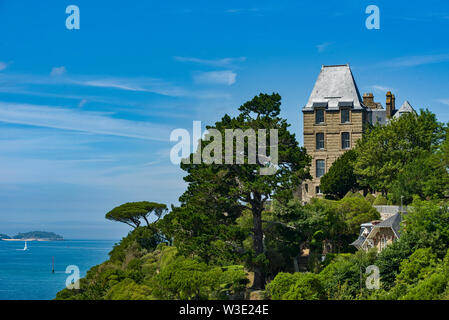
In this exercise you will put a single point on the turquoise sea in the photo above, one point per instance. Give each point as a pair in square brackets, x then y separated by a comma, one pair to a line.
[27, 275]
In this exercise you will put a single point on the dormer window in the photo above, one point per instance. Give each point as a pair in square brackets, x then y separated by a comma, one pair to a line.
[319, 116]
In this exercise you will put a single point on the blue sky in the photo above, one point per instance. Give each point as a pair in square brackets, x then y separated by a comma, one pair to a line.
[86, 115]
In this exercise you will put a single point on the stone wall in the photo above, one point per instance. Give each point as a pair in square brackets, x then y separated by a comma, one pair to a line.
[332, 129]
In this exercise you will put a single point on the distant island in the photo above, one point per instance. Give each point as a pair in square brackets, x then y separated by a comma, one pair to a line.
[33, 236]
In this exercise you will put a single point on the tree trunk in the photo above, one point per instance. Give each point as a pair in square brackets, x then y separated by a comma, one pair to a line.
[259, 274]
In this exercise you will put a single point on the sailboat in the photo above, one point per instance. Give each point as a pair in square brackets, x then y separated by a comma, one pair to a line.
[25, 248]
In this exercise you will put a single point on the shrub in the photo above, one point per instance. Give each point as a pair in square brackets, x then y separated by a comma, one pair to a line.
[428, 289]
[420, 264]
[370, 198]
[380, 201]
[128, 290]
[341, 278]
[351, 194]
[307, 287]
[281, 284]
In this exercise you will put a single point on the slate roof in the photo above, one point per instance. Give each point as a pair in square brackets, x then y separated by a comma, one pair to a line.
[358, 243]
[392, 222]
[405, 108]
[335, 88]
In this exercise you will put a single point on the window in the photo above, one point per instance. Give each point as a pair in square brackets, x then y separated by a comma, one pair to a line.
[383, 242]
[344, 116]
[319, 168]
[345, 140]
[317, 190]
[320, 141]
[319, 116]
[307, 188]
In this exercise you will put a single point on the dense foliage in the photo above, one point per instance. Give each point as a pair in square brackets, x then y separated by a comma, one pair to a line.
[42, 235]
[340, 179]
[131, 213]
[235, 230]
[219, 192]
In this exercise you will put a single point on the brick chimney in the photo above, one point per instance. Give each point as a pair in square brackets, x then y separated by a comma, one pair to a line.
[390, 104]
[368, 100]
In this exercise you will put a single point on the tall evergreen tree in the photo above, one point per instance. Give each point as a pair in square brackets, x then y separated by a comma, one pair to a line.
[224, 191]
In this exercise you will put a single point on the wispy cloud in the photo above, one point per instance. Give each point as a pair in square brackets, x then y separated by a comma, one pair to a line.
[58, 71]
[223, 62]
[443, 101]
[381, 88]
[226, 77]
[150, 85]
[133, 84]
[83, 121]
[242, 10]
[3, 65]
[323, 46]
[82, 103]
[413, 61]
[14, 83]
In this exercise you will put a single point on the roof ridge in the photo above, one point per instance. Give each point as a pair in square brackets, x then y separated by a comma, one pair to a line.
[334, 65]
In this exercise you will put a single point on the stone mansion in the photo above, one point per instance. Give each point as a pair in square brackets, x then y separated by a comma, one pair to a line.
[334, 119]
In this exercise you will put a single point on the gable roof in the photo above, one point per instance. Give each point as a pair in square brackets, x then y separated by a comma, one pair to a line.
[358, 242]
[393, 222]
[405, 108]
[334, 88]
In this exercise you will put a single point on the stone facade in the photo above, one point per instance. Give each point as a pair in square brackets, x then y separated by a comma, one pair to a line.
[333, 131]
[335, 117]
[382, 238]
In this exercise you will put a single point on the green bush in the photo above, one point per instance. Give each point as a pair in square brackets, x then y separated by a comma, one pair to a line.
[430, 288]
[370, 198]
[137, 243]
[307, 287]
[232, 283]
[356, 210]
[380, 201]
[128, 290]
[341, 278]
[420, 264]
[351, 194]
[281, 284]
